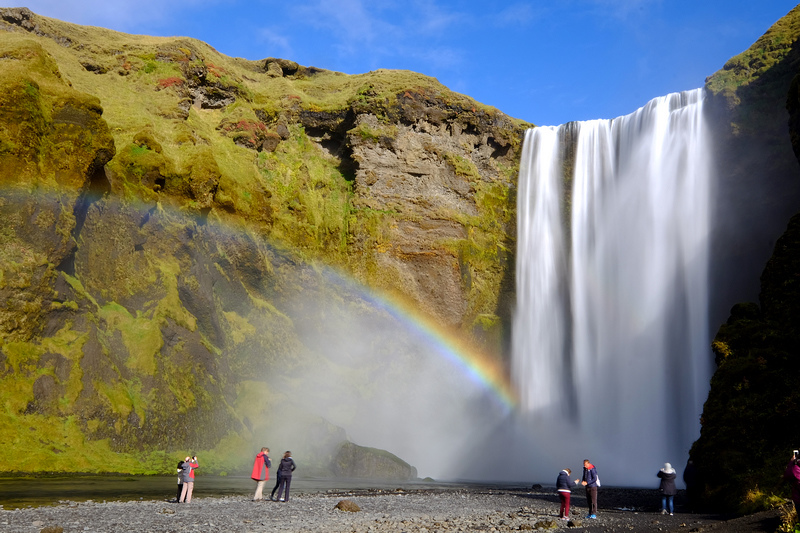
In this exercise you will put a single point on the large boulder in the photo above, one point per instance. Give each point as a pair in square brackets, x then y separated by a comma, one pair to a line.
[359, 462]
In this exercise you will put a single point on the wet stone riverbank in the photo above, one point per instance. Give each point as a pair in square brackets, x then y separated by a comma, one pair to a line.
[381, 510]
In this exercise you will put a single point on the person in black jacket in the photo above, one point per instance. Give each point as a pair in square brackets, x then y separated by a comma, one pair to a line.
[285, 470]
[564, 492]
[667, 488]
[691, 478]
[180, 482]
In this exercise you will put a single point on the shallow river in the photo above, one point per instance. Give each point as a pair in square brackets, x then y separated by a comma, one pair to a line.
[35, 491]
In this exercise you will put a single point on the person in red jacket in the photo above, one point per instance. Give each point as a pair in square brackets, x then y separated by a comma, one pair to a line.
[260, 473]
[187, 473]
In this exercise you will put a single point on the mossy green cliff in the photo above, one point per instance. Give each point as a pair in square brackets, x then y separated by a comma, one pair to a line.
[749, 422]
[749, 419]
[163, 208]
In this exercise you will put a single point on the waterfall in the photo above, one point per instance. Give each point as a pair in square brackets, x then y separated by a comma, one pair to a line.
[611, 334]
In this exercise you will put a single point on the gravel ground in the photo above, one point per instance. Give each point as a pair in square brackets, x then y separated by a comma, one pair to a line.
[448, 510]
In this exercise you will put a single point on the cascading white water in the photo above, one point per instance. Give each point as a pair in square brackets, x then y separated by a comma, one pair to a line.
[611, 339]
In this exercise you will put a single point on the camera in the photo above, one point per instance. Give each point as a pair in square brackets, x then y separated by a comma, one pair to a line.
[795, 453]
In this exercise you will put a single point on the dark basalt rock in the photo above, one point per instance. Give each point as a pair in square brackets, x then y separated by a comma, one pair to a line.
[277, 67]
[19, 16]
[25, 19]
[353, 461]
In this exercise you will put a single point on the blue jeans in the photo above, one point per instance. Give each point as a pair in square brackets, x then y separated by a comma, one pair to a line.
[667, 500]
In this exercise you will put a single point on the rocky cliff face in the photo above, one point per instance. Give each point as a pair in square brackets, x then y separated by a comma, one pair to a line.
[166, 210]
[748, 421]
[758, 172]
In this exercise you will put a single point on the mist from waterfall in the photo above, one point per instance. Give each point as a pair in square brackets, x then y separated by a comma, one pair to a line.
[611, 334]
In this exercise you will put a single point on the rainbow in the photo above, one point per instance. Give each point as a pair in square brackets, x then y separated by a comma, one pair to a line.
[481, 368]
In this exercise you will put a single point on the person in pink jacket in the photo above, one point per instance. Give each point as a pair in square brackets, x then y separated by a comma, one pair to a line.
[792, 475]
[260, 473]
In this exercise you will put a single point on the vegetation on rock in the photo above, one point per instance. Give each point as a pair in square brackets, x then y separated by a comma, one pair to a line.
[748, 422]
[163, 208]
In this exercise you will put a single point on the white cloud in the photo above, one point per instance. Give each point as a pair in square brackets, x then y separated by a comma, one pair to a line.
[625, 9]
[348, 21]
[427, 17]
[121, 15]
[280, 43]
[381, 32]
[438, 58]
[515, 15]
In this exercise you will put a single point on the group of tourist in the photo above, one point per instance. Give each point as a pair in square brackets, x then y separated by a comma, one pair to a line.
[591, 481]
[667, 486]
[260, 475]
[186, 470]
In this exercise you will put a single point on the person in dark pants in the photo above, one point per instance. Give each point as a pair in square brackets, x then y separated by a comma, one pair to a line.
[564, 493]
[792, 475]
[277, 484]
[667, 488]
[285, 470]
[691, 478]
[180, 482]
[590, 481]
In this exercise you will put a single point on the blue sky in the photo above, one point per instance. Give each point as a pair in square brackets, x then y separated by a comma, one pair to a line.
[547, 61]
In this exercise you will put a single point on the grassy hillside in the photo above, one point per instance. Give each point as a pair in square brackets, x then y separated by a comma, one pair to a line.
[171, 214]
